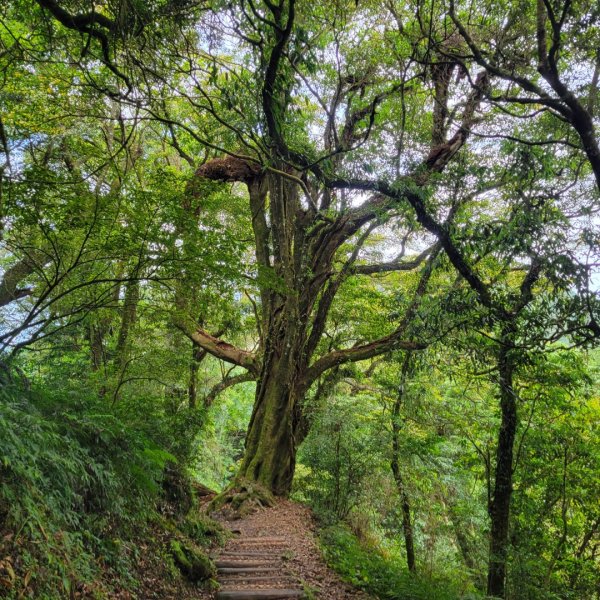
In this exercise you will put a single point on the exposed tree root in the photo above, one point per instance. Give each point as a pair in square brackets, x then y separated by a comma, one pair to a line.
[241, 499]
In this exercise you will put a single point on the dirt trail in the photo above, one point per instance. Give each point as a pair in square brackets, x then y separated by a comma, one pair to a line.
[274, 554]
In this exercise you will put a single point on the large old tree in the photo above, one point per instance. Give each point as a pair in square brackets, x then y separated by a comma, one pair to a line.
[302, 219]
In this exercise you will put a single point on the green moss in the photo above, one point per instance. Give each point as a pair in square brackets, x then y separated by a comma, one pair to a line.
[203, 530]
[191, 561]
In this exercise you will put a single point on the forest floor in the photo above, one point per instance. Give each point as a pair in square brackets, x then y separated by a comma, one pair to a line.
[281, 542]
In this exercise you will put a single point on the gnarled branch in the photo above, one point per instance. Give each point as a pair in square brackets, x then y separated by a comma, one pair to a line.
[363, 352]
[393, 341]
[13, 276]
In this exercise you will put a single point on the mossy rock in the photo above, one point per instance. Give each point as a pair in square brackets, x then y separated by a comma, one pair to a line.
[203, 530]
[241, 499]
[192, 562]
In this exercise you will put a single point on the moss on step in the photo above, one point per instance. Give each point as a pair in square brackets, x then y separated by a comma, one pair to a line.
[203, 530]
[191, 561]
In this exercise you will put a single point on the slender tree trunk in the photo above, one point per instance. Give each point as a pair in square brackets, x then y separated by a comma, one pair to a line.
[499, 508]
[193, 380]
[198, 355]
[130, 302]
[407, 527]
[96, 339]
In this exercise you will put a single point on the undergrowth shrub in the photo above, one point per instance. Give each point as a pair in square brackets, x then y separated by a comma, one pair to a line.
[74, 481]
[337, 462]
[383, 576]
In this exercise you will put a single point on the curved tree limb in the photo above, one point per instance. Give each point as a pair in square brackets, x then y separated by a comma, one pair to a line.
[226, 383]
[393, 341]
[375, 348]
[95, 25]
[393, 265]
[78, 22]
[564, 101]
[13, 276]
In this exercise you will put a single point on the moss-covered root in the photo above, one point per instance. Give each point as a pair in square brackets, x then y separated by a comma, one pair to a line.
[241, 499]
[192, 562]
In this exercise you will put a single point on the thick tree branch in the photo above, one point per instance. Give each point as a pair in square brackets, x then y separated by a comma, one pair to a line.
[223, 350]
[328, 295]
[77, 22]
[93, 24]
[523, 82]
[270, 100]
[565, 103]
[388, 194]
[592, 96]
[409, 189]
[393, 341]
[526, 288]
[13, 276]
[380, 346]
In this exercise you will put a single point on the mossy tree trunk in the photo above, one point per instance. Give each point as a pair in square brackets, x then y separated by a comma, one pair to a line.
[499, 508]
[287, 302]
[270, 455]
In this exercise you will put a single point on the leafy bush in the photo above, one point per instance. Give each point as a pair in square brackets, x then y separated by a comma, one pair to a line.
[386, 578]
[74, 480]
[337, 461]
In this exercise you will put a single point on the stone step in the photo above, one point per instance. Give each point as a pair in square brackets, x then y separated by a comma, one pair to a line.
[242, 570]
[231, 555]
[243, 563]
[260, 540]
[267, 594]
[231, 579]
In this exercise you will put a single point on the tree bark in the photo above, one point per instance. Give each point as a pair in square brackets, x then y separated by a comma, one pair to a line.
[96, 339]
[198, 355]
[499, 508]
[407, 527]
[270, 455]
[128, 317]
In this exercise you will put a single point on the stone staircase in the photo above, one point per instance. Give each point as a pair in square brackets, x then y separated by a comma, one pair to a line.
[254, 568]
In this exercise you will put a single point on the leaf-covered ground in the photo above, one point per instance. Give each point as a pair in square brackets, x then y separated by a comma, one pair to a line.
[296, 525]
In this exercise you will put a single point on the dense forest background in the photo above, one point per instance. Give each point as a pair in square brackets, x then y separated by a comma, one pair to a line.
[341, 251]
